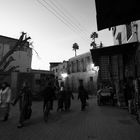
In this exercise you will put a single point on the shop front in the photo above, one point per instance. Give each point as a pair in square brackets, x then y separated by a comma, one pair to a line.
[117, 63]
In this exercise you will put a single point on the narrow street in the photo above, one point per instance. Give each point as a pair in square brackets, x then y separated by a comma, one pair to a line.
[96, 123]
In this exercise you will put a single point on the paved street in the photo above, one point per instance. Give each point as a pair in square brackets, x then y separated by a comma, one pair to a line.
[96, 123]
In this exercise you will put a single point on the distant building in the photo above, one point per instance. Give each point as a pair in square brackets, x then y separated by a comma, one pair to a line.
[21, 59]
[81, 68]
[78, 68]
[59, 69]
[54, 67]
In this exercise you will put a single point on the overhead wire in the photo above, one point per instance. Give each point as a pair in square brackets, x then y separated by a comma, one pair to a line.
[63, 17]
[58, 16]
[71, 18]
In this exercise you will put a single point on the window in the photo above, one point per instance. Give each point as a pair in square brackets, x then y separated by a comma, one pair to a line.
[82, 65]
[128, 30]
[38, 81]
[91, 79]
[88, 60]
[78, 65]
[68, 68]
[114, 31]
[119, 38]
[72, 67]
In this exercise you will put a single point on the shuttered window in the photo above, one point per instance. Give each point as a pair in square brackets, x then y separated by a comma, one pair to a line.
[128, 30]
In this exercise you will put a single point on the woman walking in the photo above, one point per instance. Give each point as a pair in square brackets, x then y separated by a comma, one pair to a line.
[25, 101]
[5, 98]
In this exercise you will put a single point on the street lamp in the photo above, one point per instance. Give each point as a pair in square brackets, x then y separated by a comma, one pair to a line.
[64, 75]
[64, 78]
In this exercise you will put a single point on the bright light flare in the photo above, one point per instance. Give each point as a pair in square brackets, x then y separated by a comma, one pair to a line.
[64, 75]
[94, 68]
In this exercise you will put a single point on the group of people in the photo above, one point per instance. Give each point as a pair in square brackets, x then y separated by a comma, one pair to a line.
[64, 97]
[49, 94]
[62, 94]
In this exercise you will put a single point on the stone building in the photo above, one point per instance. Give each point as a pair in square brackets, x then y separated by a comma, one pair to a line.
[20, 60]
[76, 69]
[60, 70]
[81, 68]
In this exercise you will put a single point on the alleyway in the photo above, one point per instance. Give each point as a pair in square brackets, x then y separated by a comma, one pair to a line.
[96, 123]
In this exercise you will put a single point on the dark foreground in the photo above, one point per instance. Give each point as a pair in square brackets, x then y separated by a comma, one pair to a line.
[96, 123]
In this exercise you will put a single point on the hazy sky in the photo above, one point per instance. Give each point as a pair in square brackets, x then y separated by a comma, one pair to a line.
[53, 29]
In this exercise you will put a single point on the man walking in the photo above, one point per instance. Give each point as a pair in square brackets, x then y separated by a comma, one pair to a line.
[83, 96]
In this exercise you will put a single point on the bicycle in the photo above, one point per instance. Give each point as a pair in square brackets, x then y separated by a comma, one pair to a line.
[46, 110]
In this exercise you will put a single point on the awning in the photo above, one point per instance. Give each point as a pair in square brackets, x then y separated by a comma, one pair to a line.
[114, 50]
[116, 12]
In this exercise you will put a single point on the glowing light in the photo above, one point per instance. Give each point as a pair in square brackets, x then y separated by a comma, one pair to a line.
[64, 75]
[94, 68]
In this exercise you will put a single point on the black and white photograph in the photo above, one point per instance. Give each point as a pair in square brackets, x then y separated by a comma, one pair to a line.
[69, 70]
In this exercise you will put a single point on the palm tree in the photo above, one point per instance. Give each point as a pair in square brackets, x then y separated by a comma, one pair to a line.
[93, 36]
[75, 47]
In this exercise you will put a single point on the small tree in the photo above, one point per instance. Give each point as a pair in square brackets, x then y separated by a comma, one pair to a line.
[75, 48]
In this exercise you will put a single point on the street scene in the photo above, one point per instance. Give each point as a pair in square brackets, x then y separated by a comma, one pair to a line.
[69, 70]
[96, 123]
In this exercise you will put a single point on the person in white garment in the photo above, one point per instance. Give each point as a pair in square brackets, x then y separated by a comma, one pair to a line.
[5, 99]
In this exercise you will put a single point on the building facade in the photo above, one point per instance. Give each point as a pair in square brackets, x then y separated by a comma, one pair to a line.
[20, 60]
[60, 70]
[37, 80]
[76, 69]
[126, 33]
[81, 68]
[120, 61]
[129, 33]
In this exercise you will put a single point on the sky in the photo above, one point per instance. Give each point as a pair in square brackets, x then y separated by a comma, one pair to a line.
[54, 26]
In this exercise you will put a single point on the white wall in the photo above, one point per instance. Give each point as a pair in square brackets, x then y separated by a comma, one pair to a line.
[122, 29]
[22, 58]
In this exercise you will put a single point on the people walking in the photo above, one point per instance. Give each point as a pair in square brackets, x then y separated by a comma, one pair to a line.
[25, 102]
[68, 97]
[49, 95]
[5, 98]
[83, 96]
[61, 98]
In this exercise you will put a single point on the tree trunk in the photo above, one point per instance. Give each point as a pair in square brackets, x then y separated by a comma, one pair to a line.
[75, 53]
